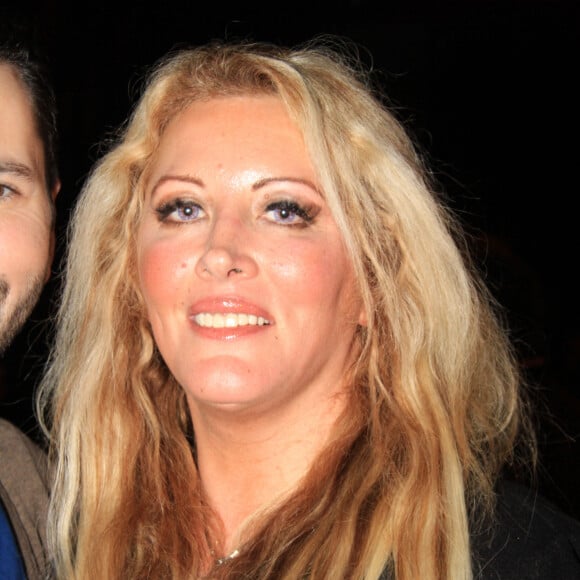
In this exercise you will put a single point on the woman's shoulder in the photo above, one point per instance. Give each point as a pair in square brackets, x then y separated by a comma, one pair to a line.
[529, 539]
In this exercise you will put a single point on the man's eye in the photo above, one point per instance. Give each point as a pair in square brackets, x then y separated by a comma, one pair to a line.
[6, 191]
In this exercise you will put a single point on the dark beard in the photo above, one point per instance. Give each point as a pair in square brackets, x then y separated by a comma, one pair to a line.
[10, 326]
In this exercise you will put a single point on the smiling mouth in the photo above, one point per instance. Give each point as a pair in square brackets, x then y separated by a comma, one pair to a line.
[230, 320]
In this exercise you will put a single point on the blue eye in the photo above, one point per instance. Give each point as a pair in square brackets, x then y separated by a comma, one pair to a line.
[288, 212]
[179, 211]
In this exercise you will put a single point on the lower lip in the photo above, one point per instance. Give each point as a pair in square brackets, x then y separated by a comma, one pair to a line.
[228, 333]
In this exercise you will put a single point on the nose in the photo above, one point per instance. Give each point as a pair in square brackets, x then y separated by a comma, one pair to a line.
[226, 254]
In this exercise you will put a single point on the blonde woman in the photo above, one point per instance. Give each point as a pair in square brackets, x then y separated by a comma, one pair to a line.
[273, 360]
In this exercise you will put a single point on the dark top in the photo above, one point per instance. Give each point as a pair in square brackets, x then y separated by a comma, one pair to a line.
[530, 539]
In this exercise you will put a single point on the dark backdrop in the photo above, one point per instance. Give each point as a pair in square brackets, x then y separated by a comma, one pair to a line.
[486, 87]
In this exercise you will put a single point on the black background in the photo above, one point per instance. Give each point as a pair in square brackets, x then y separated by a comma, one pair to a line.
[488, 90]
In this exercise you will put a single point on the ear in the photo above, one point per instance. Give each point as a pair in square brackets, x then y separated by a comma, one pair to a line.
[55, 190]
[52, 241]
[362, 317]
[51, 248]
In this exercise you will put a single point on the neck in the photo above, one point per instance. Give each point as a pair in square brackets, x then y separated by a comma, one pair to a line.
[248, 461]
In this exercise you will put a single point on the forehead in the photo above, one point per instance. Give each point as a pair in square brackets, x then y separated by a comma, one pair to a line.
[235, 112]
[19, 140]
[245, 123]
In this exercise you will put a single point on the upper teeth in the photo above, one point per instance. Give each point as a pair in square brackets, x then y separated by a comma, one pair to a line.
[229, 320]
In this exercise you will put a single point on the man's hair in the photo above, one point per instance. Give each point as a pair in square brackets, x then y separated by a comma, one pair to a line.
[33, 73]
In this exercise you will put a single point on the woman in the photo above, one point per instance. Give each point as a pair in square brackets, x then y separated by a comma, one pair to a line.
[272, 360]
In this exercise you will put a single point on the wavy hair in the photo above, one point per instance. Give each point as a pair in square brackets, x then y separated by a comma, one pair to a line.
[435, 391]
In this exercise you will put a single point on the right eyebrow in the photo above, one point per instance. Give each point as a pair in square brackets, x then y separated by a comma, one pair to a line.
[182, 178]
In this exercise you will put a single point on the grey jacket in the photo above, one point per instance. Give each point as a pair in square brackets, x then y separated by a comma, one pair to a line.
[24, 494]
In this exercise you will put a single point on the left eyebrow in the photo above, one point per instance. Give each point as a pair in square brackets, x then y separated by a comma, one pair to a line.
[267, 180]
[17, 169]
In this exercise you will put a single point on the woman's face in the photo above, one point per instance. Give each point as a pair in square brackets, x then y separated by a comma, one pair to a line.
[249, 291]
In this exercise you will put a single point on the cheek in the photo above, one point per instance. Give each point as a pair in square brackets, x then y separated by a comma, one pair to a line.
[311, 273]
[24, 247]
[163, 273]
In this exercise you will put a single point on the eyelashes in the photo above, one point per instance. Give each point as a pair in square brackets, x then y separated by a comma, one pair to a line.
[291, 213]
[285, 212]
[179, 210]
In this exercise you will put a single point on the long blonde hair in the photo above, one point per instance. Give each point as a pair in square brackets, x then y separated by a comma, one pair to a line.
[435, 392]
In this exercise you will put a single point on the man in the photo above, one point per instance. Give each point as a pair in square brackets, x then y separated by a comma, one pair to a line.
[28, 186]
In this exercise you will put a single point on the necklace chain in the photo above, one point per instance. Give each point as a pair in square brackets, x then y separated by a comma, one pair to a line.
[220, 561]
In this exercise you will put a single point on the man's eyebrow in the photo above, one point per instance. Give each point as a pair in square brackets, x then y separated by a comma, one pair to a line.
[17, 169]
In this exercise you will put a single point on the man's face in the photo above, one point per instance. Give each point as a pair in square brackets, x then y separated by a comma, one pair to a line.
[25, 210]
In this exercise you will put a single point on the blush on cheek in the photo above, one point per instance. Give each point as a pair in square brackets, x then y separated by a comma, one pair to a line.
[319, 269]
[161, 268]
[152, 272]
[299, 264]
